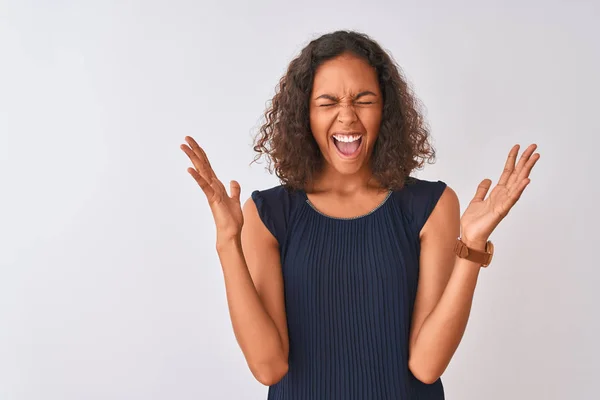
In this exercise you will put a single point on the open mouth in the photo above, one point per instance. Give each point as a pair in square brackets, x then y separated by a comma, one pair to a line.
[347, 145]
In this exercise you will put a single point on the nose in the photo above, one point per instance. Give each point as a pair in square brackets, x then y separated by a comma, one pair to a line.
[347, 114]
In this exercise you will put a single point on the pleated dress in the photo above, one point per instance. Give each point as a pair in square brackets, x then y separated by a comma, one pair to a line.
[350, 287]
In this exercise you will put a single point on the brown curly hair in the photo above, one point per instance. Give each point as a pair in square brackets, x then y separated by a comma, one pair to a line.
[286, 140]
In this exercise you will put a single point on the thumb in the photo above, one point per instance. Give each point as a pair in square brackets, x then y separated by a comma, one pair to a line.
[234, 189]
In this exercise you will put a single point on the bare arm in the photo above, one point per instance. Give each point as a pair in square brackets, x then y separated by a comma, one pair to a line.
[447, 282]
[249, 257]
[445, 294]
[254, 287]
[444, 297]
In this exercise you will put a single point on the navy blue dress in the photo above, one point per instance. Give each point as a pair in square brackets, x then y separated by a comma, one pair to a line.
[350, 287]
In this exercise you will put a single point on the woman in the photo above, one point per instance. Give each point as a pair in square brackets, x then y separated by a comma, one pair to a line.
[352, 279]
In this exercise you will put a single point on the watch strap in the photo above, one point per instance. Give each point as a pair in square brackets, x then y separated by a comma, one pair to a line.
[480, 257]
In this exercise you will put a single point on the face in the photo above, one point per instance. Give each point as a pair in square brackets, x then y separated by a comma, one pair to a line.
[345, 112]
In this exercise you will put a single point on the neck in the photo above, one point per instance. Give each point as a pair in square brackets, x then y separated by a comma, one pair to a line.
[331, 180]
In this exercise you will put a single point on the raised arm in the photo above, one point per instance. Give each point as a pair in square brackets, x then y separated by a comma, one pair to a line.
[249, 257]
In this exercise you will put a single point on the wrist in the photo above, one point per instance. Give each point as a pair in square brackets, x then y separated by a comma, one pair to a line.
[479, 251]
[226, 243]
[474, 243]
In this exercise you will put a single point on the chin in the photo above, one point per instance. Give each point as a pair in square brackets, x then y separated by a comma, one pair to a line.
[347, 168]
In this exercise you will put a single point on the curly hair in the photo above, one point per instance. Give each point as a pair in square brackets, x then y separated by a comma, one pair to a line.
[286, 140]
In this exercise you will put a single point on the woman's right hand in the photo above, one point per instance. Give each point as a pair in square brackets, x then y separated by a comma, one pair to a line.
[226, 210]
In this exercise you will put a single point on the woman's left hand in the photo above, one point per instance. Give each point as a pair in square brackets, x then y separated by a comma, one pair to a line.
[483, 215]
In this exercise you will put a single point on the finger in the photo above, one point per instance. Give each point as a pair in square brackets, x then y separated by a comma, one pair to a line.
[482, 190]
[509, 166]
[234, 189]
[207, 168]
[522, 162]
[204, 185]
[528, 167]
[199, 163]
[198, 150]
[515, 194]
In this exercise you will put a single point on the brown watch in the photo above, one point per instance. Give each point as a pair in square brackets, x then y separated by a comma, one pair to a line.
[480, 257]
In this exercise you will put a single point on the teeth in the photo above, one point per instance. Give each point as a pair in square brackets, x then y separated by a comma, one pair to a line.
[346, 138]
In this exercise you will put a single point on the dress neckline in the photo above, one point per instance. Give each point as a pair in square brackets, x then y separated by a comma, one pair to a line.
[311, 205]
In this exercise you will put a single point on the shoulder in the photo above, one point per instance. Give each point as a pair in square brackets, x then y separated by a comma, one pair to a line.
[273, 207]
[261, 201]
[427, 192]
[275, 193]
[438, 204]
[423, 188]
[275, 199]
[421, 197]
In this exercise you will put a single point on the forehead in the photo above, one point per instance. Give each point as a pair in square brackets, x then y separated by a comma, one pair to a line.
[345, 74]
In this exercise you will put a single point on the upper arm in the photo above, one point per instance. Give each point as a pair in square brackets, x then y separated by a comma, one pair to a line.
[261, 251]
[436, 261]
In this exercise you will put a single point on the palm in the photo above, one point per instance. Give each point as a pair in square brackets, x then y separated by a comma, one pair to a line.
[226, 210]
[483, 214]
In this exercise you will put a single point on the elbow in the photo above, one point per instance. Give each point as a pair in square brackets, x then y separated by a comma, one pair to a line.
[423, 373]
[427, 379]
[270, 373]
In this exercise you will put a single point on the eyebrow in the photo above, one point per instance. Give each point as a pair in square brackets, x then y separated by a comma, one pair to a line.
[333, 98]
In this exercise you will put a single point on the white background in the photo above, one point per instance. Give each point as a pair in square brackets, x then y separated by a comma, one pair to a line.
[110, 287]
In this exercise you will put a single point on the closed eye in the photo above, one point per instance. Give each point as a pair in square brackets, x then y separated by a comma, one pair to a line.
[358, 102]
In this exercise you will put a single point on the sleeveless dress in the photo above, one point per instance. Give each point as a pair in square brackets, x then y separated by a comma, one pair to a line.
[350, 287]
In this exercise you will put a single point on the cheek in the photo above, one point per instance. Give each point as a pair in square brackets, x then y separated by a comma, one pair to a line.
[320, 123]
[371, 120]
